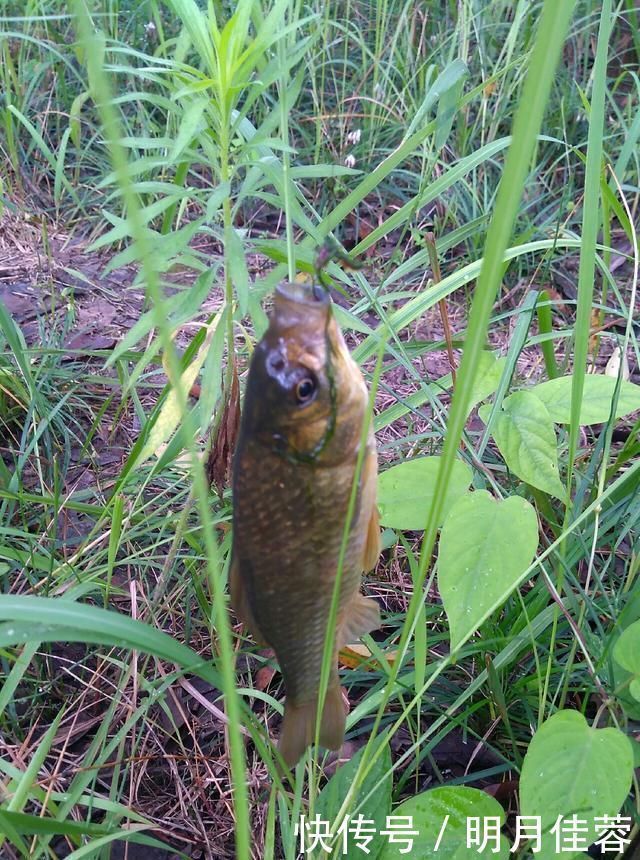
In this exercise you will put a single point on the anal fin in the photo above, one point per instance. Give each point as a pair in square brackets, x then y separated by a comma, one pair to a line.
[361, 615]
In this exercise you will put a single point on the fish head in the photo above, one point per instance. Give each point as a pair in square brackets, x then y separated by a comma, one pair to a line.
[305, 396]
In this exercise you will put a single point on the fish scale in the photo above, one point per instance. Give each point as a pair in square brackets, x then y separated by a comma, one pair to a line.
[285, 549]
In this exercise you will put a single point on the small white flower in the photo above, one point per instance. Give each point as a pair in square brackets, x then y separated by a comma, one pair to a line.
[350, 161]
[150, 28]
[354, 136]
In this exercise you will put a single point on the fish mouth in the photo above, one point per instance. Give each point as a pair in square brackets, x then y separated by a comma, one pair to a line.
[312, 295]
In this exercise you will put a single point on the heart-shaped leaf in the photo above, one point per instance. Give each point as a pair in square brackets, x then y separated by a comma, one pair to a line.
[626, 652]
[525, 435]
[444, 822]
[573, 769]
[485, 547]
[487, 378]
[406, 491]
[597, 398]
[379, 780]
[618, 677]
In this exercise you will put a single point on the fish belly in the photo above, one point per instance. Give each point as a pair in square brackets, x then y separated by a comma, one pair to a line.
[288, 527]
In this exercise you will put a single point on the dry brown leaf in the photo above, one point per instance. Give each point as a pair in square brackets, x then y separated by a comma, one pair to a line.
[222, 450]
[489, 89]
[264, 676]
[358, 656]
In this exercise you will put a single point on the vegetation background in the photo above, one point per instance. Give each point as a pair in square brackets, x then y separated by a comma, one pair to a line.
[165, 164]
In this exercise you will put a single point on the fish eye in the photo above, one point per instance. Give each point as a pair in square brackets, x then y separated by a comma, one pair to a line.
[305, 389]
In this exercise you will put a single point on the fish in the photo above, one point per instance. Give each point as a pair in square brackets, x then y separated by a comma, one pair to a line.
[301, 429]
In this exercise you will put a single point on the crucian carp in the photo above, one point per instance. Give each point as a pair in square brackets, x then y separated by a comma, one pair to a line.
[294, 467]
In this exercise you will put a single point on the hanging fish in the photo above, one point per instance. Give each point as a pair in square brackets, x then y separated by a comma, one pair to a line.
[295, 462]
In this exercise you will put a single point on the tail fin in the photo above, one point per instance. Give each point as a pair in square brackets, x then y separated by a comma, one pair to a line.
[299, 725]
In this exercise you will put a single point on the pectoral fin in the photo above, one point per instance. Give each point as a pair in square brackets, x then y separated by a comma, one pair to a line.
[240, 603]
[361, 615]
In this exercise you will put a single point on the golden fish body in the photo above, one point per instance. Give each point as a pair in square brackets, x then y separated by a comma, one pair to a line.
[294, 467]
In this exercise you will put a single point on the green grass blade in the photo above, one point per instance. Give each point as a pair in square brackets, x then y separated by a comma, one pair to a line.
[93, 624]
[590, 225]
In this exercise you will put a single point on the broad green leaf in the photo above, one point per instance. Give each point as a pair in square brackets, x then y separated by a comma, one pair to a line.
[379, 781]
[626, 652]
[487, 378]
[485, 547]
[573, 769]
[526, 437]
[597, 398]
[444, 819]
[405, 491]
[618, 677]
